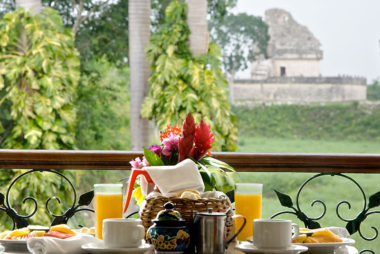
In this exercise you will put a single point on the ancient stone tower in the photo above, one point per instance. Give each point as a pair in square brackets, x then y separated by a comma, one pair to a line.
[292, 50]
[289, 72]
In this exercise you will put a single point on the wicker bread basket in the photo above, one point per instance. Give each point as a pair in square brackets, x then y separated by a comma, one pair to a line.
[187, 208]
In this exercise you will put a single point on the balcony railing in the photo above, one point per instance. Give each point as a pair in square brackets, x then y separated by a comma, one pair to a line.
[322, 164]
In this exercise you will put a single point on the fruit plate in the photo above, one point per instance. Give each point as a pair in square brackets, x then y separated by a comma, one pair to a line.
[16, 246]
[326, 248]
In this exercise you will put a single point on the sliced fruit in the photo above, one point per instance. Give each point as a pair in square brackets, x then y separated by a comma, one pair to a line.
[4, 234]
[300, 239]
[92, 230]
[62, 228]
[37, 234]
[325, 236]
[58, 234]
[18, 233]
[306, 231]
[85, 230]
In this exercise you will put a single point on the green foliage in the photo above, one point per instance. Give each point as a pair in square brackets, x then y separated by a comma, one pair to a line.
[105, 34]
[329, 122]
[216, 174]
[373, 91]
[217, 10]
[182, 84]
[39, 71]
[5, 6]
[103, 107]
[242, 38]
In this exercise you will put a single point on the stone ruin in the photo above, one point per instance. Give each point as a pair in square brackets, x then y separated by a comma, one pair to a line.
[290, 70]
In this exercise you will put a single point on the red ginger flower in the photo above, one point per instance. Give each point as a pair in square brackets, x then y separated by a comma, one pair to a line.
[186, 141]
[203, 140]
[166, 133]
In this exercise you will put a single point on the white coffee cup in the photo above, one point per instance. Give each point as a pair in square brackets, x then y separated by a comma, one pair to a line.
[123, 233]
[274, 234]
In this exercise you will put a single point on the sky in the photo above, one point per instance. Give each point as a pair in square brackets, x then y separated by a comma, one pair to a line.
[349, 31]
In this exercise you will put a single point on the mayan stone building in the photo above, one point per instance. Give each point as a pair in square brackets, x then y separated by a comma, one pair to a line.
[290, 70]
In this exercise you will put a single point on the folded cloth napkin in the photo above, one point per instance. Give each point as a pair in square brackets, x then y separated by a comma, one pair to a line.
[50, 245]
[173, 179]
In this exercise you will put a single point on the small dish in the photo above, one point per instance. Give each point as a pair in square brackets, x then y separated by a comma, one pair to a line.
[100, 248]
[18, 246]
[326, 248]
[248, 247]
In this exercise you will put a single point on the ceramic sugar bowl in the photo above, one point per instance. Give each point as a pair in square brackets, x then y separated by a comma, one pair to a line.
[169, 232]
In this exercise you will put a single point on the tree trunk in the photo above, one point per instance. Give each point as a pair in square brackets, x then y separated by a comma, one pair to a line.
[231, 95]
[139, 31]
[34, 6]
[197, 21]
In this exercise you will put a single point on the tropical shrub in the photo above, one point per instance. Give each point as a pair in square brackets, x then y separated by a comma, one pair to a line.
[181, 83]
[39, 72]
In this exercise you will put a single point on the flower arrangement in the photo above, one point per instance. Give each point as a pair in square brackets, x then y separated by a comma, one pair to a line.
[191, 141]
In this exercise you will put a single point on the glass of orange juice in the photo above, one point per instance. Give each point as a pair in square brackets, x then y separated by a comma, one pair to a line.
[108, 204]
[248, 202]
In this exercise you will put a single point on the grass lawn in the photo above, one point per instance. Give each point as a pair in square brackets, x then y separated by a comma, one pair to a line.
[321, 188]
[284, 145]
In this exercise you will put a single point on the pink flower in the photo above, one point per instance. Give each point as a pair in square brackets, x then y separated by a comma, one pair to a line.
[145, 162]
[156, 149]
[170, 145]
[137, 163]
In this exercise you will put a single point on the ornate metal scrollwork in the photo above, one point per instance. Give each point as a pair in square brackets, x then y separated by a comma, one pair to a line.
[353, 225]
[20, 221]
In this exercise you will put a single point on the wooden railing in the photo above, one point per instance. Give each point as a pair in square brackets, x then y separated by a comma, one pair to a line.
[243, 162]
[322, 164]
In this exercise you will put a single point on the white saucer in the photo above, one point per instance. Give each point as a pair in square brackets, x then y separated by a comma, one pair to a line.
[326, 248]
[100, 248]
[247, 247]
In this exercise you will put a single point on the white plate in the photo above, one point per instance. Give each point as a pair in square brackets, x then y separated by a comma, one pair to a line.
[326, 248]
[17, 246]
[247, 247]
[100, 248]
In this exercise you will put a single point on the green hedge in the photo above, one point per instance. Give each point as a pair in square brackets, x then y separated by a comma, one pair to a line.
[343, 121]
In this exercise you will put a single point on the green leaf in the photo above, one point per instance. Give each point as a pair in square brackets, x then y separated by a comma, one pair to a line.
[152, 158]
[208, 160]
[223, 182]
[86, 198]
[284, 199]
[207, 180]
[374, 200]
[353, 226]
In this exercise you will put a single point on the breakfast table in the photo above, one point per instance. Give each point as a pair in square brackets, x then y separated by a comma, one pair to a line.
[346, 250]
[231, 250]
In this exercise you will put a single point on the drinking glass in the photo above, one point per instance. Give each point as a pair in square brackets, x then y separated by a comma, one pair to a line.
[108, 205]
[248, 202]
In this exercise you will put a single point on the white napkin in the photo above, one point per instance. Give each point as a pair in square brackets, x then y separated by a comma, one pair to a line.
[173, 179]
[51, 245]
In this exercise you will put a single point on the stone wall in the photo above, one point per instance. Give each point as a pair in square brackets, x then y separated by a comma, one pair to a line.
[299, 90]
[296, 67]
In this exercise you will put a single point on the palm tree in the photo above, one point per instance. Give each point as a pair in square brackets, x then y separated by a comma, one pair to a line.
[34, 6]
[197, 22]
[139, 32]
